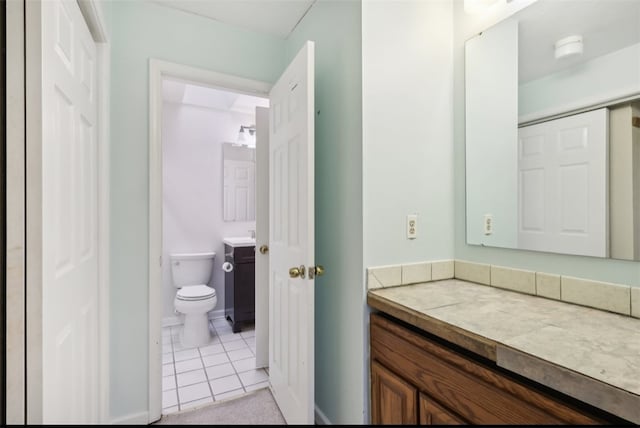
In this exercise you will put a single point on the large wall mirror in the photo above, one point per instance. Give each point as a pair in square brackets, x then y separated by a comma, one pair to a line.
[552, 116]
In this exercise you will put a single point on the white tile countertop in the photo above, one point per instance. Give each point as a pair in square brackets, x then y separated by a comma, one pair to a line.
[589, 354]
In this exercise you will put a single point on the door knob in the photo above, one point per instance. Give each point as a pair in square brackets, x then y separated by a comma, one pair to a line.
[296, 272]
[264, 249]
[316, 271]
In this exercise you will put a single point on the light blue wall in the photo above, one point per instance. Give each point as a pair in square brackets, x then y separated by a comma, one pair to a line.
[625, 272]
[407, 84]
[334, 26]
[143, 30]
[407, 130]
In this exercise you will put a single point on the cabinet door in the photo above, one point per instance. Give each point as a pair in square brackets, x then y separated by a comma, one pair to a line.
[432, 413]
[393, 401]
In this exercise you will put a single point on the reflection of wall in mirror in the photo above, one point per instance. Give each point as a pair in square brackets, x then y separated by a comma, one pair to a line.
[610, 76]
[491, 134]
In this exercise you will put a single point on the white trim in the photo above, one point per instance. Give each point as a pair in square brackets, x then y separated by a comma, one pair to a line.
[94, 18]
[132, 419]
[177, 320]
[15, 205]
[103, 51]
[580, 106]
[157, 70]
[320, 417]
[33, 321]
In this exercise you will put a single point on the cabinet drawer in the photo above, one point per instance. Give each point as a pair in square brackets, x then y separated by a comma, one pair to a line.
[464, 387]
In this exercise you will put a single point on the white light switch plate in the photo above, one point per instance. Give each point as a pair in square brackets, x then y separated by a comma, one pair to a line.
[412, 226]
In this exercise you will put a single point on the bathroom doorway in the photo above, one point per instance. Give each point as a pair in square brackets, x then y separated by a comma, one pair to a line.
[209, 166]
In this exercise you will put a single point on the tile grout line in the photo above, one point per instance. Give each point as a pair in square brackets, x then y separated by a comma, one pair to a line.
[233, 366]
[206, 375]
[173, 364]
[201, 357]
[175, 371]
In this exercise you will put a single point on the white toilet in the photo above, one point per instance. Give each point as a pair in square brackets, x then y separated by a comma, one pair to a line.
[191, 274]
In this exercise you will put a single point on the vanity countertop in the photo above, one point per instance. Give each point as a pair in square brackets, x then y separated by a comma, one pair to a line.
[240, 241]
[589, 354]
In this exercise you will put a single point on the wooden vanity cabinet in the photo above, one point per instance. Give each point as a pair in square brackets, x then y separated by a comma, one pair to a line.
[419, 379]
[394, 399]
[432, 413]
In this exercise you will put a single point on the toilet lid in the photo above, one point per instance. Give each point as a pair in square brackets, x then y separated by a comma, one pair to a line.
[195, 292]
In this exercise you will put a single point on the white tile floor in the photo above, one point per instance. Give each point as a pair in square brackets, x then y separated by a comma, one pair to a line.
[223, 368]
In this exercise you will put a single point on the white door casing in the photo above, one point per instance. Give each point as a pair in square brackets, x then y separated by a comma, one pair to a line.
[563, 185]
[262, 237]
[157, 70]
[291, 238]
[70, 364]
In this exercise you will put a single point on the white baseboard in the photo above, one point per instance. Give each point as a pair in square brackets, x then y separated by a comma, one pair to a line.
[177, 320]
[321, 418]
[141, 418]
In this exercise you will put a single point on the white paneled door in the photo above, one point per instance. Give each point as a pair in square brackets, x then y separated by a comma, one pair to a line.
[291, 239]
[69, 247]
[262, 237]
[563, 185]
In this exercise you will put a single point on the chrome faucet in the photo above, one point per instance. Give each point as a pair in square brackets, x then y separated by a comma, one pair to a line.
[252, 233]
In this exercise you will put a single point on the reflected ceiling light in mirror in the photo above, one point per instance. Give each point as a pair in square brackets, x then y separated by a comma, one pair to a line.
[568, 46]
[477, 6]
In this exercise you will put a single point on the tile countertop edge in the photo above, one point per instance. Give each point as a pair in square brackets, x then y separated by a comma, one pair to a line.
[461, 337]
[584, 388]
[614, 400]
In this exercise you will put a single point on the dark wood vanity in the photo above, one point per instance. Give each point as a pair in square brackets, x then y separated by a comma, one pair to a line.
[239, 286]
[419, 378]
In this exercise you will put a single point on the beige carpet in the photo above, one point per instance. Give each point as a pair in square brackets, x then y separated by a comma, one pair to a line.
[253, 408]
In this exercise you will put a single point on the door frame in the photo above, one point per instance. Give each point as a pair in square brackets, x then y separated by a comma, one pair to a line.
[25, 145]
[157, 70]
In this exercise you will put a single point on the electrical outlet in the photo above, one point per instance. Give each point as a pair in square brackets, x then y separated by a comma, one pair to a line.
[412, 226]
[488, 224]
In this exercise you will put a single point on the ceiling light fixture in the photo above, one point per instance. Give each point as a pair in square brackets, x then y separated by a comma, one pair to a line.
[242, 135]
[568, 46]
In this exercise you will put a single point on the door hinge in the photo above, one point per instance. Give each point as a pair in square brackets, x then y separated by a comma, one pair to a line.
[160, 260]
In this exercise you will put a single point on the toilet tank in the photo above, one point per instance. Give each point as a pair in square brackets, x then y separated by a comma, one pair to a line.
[191, 268]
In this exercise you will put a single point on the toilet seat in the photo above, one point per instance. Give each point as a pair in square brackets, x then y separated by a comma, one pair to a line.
[195, 293]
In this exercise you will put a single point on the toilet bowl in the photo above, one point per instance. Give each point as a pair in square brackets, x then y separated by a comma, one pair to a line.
[194, 299]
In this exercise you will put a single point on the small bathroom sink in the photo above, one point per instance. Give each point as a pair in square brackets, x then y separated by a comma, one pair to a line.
[243, 241]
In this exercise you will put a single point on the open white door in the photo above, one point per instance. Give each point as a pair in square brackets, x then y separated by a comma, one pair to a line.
[69, 217]
[262, 237]
[291, 239]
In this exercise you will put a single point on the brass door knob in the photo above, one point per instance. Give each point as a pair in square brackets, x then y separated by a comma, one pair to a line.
[316, 271]
[296, 272]
[264, 249]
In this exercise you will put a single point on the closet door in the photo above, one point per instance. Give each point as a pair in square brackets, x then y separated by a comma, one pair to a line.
[563, 185]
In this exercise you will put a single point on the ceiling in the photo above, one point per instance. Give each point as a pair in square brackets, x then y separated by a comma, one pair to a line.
[605, 26]
[181, 92]
[274, 17]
